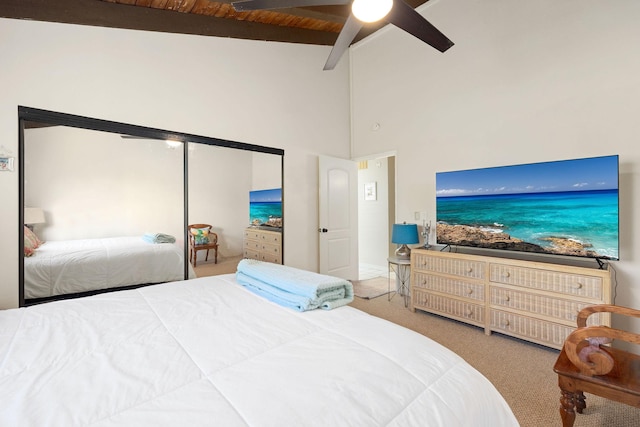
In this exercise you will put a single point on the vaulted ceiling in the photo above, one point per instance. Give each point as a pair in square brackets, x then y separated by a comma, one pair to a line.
[309, 25]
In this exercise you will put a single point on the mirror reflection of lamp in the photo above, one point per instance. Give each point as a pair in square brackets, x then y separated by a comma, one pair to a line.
[173, 144]
[404, 234]
[33, 216]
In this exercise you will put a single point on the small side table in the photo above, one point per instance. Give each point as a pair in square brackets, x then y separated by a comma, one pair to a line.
[402, 268]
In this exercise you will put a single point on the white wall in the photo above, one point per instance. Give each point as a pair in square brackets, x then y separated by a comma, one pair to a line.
[96, 184]
[265, 171]
[373, 215]
[525, 82]
[272, 94]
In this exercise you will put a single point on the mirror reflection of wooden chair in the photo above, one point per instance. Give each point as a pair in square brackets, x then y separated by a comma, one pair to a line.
[588, 364]
[202, 238]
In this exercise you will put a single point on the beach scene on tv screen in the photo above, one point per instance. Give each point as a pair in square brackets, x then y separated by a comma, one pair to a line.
[567, 207]
[265, 208]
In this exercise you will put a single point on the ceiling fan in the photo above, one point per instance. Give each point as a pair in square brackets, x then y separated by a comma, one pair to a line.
[395, 12]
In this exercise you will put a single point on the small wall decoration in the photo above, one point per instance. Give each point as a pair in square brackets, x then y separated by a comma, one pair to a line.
[370, 192]
[6, 163]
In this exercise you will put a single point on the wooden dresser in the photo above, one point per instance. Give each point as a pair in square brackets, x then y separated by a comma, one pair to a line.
[263, 245]
[534, 301]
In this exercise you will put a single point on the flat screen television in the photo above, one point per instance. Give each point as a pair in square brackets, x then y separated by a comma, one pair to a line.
[265, 208]
[567, 207]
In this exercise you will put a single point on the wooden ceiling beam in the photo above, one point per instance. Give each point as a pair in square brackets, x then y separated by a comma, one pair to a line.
[106, 14]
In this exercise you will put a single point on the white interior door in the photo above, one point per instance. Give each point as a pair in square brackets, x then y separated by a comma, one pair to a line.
[338, 216]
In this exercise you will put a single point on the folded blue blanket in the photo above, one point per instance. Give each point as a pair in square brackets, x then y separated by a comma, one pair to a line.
[294, 288]
[158, 238]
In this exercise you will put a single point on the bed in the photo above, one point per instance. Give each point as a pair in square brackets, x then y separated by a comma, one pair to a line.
[208, 351]
[76, 266]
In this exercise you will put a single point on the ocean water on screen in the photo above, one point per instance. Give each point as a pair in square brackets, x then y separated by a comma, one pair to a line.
[262, 211]
[590, 217]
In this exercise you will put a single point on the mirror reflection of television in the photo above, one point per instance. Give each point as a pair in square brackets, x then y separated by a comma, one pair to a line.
[567, 207]
[265, 208]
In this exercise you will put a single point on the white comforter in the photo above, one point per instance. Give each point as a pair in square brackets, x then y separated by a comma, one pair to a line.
[71, 266]
[207, 352]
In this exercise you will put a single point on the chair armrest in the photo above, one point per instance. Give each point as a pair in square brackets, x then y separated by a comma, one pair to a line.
[584, 345]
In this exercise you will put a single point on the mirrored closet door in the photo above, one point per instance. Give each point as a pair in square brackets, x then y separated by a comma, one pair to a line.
[107, 205]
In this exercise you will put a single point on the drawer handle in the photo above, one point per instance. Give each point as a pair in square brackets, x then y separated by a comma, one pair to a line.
[424, 282]
[470, 270]
[506, 323]
[507, 298]
[469, 312]
[507, 274]
[469, 291]
[578, 285]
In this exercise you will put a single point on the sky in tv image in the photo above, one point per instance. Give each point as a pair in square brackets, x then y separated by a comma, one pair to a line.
[266, 196]
[572, 200]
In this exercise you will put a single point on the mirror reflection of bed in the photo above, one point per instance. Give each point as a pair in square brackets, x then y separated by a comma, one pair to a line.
[116, 204]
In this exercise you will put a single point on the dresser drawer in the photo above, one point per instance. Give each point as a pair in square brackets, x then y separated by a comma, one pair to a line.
[252, 244]
[465, 311]
[552, 281]
[531, 329]
[251, 254]
[270, 257]
[270, 249]
[541, 305]
[452, 266]
[251, 235]
[273, 238]
[451, 286]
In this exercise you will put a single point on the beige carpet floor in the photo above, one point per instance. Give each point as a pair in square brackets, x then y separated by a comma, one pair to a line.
[371, 288]
[521, 371]
[224, 266]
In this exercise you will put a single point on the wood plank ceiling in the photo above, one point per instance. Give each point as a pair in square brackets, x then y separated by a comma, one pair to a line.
[309, 25]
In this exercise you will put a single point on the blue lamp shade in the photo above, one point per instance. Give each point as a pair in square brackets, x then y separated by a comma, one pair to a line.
[405, 234]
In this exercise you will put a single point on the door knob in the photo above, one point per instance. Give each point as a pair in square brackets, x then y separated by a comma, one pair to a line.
[322, 230]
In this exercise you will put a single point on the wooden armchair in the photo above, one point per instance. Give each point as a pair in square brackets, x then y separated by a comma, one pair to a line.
[202, 238]
[587, 364]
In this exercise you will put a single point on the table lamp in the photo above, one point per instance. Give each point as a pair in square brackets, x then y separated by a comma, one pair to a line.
[33, 216]
[403, 235]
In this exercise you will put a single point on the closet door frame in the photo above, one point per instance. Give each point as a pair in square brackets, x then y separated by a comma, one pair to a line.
[51, 118]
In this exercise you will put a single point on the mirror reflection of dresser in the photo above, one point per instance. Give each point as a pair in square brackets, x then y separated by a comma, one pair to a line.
[263, 245]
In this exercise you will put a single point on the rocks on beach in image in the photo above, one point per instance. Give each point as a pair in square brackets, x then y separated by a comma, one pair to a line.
[275, 222]
[465, 235]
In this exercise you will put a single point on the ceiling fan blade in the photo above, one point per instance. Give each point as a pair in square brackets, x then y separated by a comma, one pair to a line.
[346, 36]
[245, 5]
[405, 17]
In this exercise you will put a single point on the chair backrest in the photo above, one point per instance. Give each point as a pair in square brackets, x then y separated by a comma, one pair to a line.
[210, 237]
[583, 345]
[207, 226]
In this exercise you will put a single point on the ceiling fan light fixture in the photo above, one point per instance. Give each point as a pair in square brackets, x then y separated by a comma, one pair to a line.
[371, 10]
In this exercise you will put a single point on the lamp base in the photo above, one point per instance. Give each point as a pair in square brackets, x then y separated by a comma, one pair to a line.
[403, 252]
